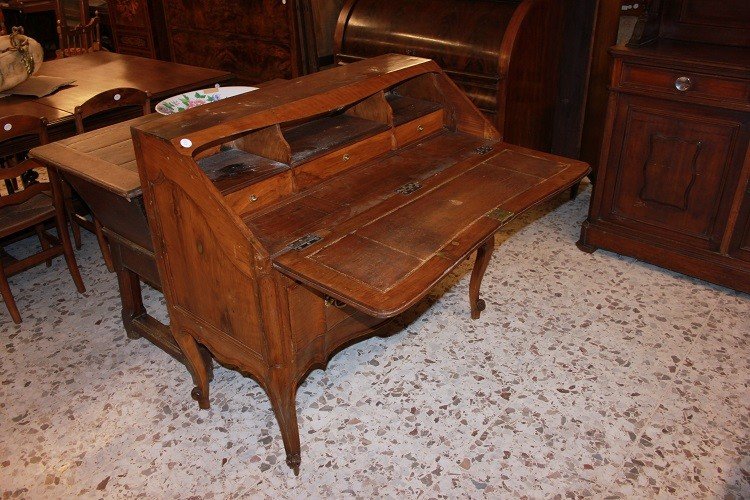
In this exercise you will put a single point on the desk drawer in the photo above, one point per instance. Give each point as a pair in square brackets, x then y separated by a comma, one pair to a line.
[686, 84]
[261, 194]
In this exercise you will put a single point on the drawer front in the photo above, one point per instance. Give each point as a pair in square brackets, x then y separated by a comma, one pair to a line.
[261, 194]
[685, 84]
[134, 42]
[673, 169]
[311, 173]
[419, 128]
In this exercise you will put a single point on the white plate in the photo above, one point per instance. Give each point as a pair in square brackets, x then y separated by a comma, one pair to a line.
[197, 98]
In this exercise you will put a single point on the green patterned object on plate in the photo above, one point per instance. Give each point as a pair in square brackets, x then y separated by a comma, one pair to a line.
[197, 98]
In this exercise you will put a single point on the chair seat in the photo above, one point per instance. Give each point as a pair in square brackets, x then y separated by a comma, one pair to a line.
[33, 211]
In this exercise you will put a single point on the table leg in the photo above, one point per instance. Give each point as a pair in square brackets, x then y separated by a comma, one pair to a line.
[138, 323]
[484, 254]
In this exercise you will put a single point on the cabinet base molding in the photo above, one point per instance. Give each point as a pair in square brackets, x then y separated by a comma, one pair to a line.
[719, 269]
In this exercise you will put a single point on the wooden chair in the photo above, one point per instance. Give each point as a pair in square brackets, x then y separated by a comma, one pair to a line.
[104, 102]
[29, 208]
[77, 34]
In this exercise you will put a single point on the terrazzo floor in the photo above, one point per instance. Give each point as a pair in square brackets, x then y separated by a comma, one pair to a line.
[587, 376]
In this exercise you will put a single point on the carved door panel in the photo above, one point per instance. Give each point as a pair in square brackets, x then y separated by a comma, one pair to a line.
[675, 170]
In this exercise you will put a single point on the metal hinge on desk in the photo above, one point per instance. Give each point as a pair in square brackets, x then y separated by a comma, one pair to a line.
[483, 150]
[303, 242]
[500, 215]
[408, 188]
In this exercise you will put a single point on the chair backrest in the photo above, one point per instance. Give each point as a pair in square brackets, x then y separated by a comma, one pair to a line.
[80, 39]
[109, 100]
[13, 127]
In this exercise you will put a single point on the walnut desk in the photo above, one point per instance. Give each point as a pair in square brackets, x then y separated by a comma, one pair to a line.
[290, 221]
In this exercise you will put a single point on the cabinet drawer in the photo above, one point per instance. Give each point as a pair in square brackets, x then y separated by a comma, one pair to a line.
[134, 43]
[694, 85]
[261, 194]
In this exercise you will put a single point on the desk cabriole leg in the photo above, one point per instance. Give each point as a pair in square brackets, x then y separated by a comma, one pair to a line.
[484, 254]
[283, 394]
[197, 362]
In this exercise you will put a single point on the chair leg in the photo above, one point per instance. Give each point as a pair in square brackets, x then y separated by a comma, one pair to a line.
[104, 245]
[10, 303]
[39, 228]
[62, 230]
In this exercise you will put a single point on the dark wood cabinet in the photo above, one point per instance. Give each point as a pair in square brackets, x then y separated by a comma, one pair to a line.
[741, 237]
[138, 28]
[257, 41]
[672, 188]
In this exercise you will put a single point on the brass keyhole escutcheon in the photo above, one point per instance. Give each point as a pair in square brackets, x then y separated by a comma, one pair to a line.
[420, 128]
[346, 157]
[200, 248]
[253, 198]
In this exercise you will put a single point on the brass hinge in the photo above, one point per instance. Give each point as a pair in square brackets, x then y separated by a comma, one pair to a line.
[409, 188]
[501, 215]
[303, 242]
[483, 150]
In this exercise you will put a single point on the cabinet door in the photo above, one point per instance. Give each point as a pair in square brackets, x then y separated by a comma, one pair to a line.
[741, 249]
[673, 169]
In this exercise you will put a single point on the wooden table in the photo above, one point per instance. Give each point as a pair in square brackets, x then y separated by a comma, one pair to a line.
[101, 166]
[99, 71]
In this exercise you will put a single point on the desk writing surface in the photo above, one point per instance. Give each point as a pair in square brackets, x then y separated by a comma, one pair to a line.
[384, 251]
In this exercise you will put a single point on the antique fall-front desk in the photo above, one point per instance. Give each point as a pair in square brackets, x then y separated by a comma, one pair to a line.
[290, 221]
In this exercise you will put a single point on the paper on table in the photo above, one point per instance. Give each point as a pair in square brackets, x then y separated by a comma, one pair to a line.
[38, 86]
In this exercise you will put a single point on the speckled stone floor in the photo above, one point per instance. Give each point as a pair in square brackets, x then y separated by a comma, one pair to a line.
[587, 375]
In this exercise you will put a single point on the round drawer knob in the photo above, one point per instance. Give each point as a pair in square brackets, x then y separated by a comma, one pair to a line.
[420, 128]
[253, 198]
[683, 83]
[346, 157]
